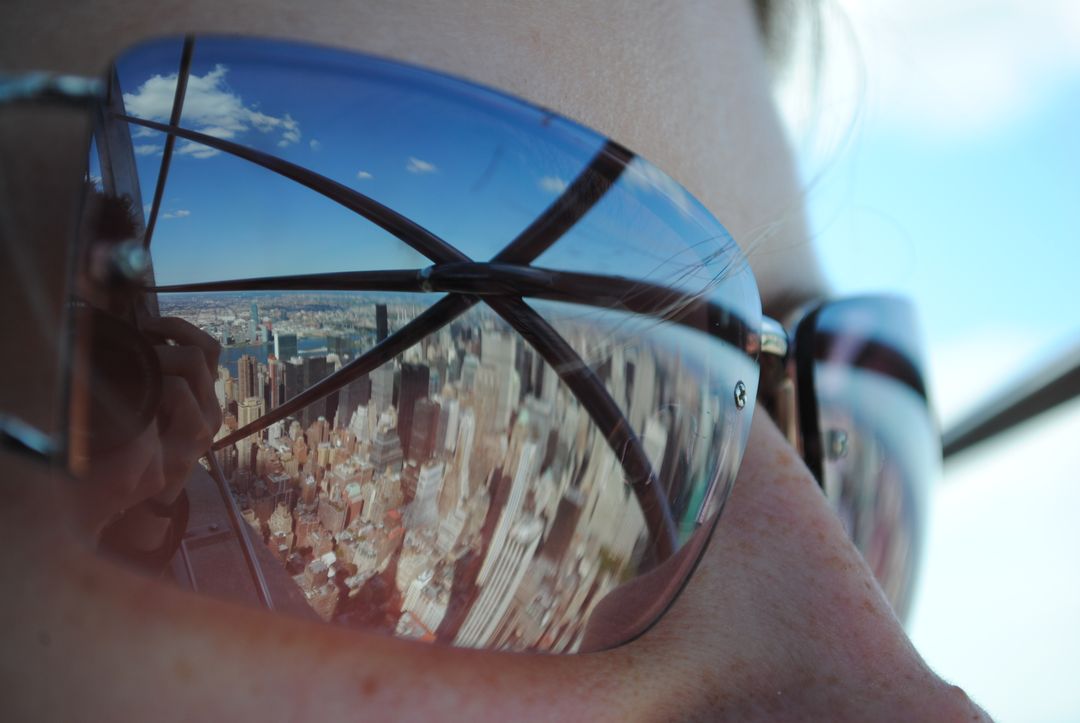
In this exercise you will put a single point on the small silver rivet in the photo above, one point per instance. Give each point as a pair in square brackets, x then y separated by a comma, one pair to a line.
[740, 395]
[836, 444]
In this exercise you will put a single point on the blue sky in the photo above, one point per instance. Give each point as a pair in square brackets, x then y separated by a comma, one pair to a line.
[946, 159]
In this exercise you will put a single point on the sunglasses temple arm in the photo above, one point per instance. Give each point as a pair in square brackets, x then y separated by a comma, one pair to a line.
[1055, 384]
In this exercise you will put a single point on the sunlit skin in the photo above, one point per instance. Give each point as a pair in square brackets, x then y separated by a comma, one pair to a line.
[782, 619]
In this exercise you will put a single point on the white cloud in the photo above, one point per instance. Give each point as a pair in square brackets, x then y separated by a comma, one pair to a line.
[416, 165]
[948, 70]
[147, 149]
[364, 175]
[210, 107]
[96, 181]
[552, 184]
[314, 144]
[181, 213]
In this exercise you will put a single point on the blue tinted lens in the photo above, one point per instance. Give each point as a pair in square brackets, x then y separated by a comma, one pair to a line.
[477, 362]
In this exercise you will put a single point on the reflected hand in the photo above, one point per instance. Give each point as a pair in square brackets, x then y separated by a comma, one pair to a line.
[188, 416]
[156, 465]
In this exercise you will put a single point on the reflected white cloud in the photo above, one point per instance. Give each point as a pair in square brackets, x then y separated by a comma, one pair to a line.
[180, 213]
[416, 165]
[364, 175]
[147, 149]
[195, 150]
[552, 184]
[210, 107]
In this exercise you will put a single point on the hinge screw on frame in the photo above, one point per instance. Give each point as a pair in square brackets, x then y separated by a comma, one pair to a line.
[740, 395]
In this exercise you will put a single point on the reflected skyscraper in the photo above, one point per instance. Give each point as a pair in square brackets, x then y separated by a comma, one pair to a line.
[356, 394]
[498, 351]
[315, 370]
[382, 387]
[381, 325]
[510, 563]
[285, 346]
[386, 451]
[562, 529]
[425, 423]
[414, 387]
[274, 380]
[247, 374]
[253, 325]
[526, 469]
[470, 366]
[292, 379]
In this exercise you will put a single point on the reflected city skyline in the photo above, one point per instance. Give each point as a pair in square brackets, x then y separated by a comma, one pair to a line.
[460, 492]
[465, 490]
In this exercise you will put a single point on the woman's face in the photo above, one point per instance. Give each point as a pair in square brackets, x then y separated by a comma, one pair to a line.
[781, 618]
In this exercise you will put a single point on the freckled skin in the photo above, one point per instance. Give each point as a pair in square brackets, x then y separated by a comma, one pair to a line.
[781, 620]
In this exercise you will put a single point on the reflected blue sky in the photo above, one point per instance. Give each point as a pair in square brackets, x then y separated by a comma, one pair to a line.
[470, 165]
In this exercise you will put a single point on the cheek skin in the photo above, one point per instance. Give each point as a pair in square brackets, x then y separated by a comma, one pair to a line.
[783, 618]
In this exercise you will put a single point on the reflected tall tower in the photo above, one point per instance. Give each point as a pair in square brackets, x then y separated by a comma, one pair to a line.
[425, 422]
[253, 325]
[316, 369]
[356, 394]
[498, 351]
[382, 328]
[247, 372]
[523, 477]
[382, 387]
[273, 378]
[415, 380]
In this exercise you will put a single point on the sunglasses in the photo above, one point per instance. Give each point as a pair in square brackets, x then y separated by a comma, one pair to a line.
[463, 370]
